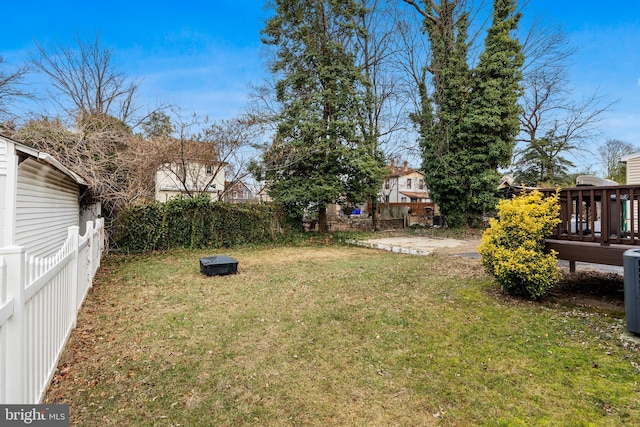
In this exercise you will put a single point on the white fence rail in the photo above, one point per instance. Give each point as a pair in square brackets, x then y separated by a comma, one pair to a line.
[39, 302]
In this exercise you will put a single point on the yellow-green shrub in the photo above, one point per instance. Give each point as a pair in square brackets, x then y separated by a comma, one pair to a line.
[512, 248]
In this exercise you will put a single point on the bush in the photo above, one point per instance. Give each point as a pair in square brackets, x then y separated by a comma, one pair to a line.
[196, 223]
[512, 248]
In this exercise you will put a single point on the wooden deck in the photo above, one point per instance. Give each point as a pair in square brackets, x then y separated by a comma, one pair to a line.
[598, 224]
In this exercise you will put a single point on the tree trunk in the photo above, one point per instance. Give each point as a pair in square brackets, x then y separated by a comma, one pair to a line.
[322, 220]
[375, 217]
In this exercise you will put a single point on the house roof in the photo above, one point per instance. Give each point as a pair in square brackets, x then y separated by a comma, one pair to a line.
[396, 171]
[45, 158]
[416, 194]
[236, 185]
[506, 181]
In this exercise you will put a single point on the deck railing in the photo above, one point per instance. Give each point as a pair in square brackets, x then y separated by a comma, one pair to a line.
[598, 224]
[606, 215]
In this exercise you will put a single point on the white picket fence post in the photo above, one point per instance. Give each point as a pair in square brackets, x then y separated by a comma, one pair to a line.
[74, 233]
[15, 353]
[90, 233]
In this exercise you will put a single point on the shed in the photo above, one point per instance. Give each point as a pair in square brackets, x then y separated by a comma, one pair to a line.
[40, 199]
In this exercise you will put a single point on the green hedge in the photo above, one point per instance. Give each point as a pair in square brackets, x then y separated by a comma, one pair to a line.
[196, 223]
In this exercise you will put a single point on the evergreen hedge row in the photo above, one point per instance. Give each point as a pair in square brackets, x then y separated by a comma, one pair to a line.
[195, 223]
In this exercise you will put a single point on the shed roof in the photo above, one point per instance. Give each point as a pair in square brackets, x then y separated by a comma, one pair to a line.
[45, 158]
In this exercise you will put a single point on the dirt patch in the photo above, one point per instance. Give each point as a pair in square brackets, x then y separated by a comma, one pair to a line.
[603, 292]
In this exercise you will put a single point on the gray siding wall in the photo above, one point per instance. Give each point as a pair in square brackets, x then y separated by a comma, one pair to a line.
[46, 205]
[633, 171]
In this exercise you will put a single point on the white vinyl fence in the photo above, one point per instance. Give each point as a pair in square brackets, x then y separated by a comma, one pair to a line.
[39, 303]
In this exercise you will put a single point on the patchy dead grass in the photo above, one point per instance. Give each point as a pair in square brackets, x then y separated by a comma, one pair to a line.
[333, 335]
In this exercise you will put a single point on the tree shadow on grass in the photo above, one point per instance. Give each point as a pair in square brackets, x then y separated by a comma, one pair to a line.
[597, 291]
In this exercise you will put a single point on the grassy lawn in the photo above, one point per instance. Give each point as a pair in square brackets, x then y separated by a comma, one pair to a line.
[335, 335]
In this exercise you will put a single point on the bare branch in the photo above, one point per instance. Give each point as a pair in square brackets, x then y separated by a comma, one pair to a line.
[198, 153]
[422, 11]
[12, 87]
[549, 109]
[86, 79]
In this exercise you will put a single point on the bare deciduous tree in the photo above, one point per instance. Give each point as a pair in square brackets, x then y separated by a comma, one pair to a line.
[378, 45]
[86, 79]
[104, 158]
[12, 88]
[610, 154]
[549, 107]
[197, 152]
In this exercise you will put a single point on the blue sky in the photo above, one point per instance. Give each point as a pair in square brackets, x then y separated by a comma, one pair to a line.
[607, 39]
[199, 55]
[203, 56]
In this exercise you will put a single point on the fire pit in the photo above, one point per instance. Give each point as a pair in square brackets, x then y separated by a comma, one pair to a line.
[218, 265]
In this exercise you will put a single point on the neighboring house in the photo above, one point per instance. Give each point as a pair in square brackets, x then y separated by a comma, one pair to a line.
[194, 178]
[633, 168]
[263, 194]
[239, 192]
[404, 185]
[40, 199]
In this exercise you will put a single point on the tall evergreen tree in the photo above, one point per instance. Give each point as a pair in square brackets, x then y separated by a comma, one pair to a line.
[469, 121]
[492, 120]
[318, 155]
[443, 110]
